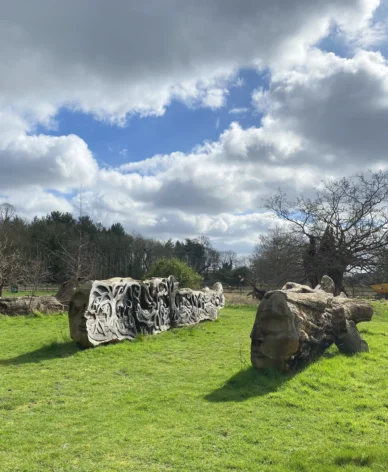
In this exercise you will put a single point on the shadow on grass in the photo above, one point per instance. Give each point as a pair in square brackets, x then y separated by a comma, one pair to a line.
[333, 354]
[53, 350]
[250, 383]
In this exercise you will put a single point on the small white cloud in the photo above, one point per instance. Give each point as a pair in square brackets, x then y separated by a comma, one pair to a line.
[215, 98]
[260, 100]
[238, 83]
[238, 111]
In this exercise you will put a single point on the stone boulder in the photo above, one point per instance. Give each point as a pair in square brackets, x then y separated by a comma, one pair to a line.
[66, 290]
[296, 324]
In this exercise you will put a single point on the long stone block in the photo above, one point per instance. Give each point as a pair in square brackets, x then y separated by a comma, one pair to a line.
[296, 324]
[105, 311]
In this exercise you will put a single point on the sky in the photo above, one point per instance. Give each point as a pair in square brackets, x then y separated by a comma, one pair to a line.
[179, 118]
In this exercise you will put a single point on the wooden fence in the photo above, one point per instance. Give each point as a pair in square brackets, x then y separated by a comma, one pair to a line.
[31, 288]
[353, 292]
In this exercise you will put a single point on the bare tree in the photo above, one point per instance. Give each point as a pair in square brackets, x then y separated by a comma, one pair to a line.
[37, 273]
[228, 260]
[7, 213]
[11, 264]
[278, 258]
[347, 222]
[72, 249]
[77, 258]
[34, 275]
[11, 260]
[380, 274]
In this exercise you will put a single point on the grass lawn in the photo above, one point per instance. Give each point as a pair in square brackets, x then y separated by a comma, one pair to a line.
[187, 400]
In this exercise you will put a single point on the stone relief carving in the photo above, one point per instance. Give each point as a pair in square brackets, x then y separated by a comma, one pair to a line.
[112, 310]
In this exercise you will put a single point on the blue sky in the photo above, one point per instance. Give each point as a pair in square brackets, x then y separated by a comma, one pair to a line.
[180, 164]
[181, 128]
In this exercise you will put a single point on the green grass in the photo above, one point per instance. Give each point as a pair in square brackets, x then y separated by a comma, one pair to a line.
[187, 400]
[25, 293]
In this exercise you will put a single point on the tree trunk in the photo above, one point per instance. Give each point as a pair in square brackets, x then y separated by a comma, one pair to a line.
[296, 324]
[1, 290]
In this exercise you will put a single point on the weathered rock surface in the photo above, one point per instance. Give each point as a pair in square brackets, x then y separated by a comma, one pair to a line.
[104, 311]
[327, 285]
[66, 290]
[296, 324]
[25, 305]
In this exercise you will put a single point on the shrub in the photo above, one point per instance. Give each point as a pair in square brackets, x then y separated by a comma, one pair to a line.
[185, 275]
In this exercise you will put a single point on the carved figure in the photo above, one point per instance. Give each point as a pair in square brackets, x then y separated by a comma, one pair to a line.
[112, 310]
[297, 323]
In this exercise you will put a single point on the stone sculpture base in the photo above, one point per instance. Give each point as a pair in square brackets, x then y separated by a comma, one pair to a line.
[296, 324]
[113, 310]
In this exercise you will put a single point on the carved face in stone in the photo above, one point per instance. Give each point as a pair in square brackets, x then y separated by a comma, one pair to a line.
[327, 284]
[217, 287]
[274, 334]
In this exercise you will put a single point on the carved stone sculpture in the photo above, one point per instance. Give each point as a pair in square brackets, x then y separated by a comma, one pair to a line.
[296, 324]
[112, 310]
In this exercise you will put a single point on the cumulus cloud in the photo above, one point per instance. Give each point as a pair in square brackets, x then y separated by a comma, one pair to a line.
[60, 163]
[115, 59]
[324, 119]
[32, 201]
[323, 115]
[338, 107]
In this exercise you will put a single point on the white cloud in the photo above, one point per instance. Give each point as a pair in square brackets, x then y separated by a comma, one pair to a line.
[215, 98]
[238, 111]
[325, 119]
[33, 201]
[338, 107]
[372, 36]
[60, 163]
[260, 100]
[111, 60]
[323, 115]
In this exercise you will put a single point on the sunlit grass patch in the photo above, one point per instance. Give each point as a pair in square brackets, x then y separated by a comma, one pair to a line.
[187, 400]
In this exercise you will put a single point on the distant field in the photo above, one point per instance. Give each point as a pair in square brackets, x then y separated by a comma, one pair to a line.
[22, 293]
[186, 400]
[236, 298]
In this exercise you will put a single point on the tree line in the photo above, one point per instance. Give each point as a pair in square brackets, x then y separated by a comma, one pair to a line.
[59, 247]
[341, 230]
